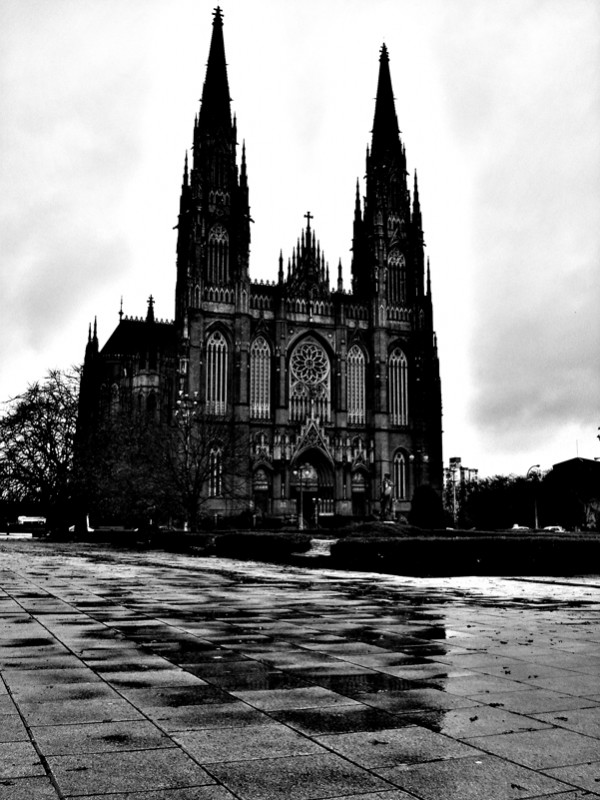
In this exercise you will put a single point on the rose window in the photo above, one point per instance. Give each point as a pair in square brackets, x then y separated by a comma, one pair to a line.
[309, 381]
[310, 364]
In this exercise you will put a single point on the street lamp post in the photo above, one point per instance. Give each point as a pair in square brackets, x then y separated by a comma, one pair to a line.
[532, 471]
[299, 473]
[454, 506]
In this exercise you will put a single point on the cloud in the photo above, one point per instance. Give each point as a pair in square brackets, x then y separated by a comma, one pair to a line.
[526, 108]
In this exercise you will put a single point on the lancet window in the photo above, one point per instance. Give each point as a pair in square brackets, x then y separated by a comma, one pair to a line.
[218, 255]
[216, 374]
[215, 472]
[260, 379]
[398, 387]
[356, 385]
[399, 476]
[309, 382]
[397, 277]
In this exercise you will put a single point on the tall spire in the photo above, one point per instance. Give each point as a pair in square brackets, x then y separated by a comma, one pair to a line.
[386, 133]
[416, 209]
[215, 110]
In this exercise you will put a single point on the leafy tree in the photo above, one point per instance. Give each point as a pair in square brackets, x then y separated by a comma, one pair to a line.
[426, 510]
[37, 433]
[501, 501]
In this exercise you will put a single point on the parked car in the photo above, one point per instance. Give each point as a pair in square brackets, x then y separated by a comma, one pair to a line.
[555, 528]
[516, 527]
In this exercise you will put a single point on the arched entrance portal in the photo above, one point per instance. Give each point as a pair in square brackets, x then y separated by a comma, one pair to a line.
[312, 487]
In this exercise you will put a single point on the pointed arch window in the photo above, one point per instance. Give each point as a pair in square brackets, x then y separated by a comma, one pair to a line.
[218, 255]
[216, 373]
[355, 384]
[398, 387]
[397, 277]
[260, 379]
[309, 382]
[114, 398]
[215, 472]
[399, 476]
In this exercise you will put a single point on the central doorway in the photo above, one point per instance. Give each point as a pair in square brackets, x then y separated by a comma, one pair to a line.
[312, 484]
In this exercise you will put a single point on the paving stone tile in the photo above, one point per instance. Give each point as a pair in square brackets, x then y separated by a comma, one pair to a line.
[126, 772]
[64, 692]
[298, 778]
[476, 684]
[139, 662]
[12, 729]
[7, 705]
[574, 684]
[339, 719]
[56, 712]
[416, 700]
[392, 794]
[583, 720]
[27, 789]
[45, 677]
[19, 759]
[176, 696]
[542, 749]
[99, 738]
[37, 659]
[471, 779]
[242, 676]
[533, 701]
[210, 715]
[153, 677]
[586, 776]
[306, 697]
[576, 794]
[242, 744]
[197, 793]
[395, 746]
[463, 723]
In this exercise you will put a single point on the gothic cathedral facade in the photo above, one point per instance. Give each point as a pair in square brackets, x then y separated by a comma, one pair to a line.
[336, 392]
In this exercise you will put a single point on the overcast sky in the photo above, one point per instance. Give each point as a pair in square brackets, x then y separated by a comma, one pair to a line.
[499, 106]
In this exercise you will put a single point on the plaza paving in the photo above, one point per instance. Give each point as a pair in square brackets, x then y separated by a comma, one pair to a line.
[153, 676]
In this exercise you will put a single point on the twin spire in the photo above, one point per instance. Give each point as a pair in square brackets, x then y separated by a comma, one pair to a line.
[386, 132]
[215, 111]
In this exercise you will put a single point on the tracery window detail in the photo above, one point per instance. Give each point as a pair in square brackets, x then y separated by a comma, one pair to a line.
[218, 255]
[260, 379]
[215, 472]
[398, 387]
[216, 374]
[355, 383]
[309, 382]
[397, 277]
[399, 476]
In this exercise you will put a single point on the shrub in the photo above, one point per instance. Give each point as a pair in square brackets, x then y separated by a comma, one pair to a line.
[261, 546]
[470, 555]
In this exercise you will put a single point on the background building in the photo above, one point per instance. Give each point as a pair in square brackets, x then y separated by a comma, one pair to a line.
[333, 390]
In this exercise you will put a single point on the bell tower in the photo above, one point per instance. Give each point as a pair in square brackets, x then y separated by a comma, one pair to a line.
[214, 217]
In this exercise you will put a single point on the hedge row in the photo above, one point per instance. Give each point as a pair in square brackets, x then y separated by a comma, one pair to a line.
[440, 556]
[260, 546]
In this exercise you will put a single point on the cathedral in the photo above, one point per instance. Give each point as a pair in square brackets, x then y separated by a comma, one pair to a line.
[336, 392]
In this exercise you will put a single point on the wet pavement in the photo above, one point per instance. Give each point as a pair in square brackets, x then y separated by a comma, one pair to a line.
[152, 676]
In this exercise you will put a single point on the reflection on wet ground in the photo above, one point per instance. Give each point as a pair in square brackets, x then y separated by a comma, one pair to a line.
[374, 681]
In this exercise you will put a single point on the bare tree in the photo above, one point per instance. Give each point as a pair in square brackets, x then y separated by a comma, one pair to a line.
[37, 433]
[206, 460]
[134, 469]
